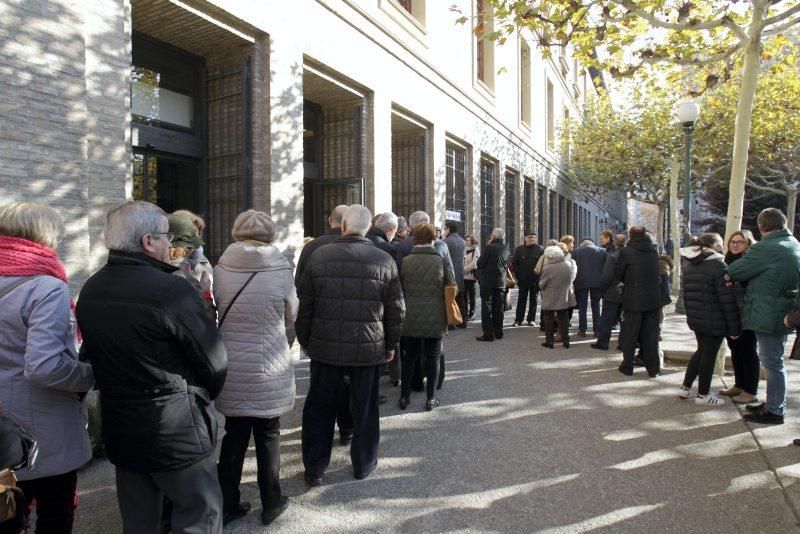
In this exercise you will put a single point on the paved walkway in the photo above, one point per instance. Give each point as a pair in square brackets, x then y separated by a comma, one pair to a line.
[535, 440]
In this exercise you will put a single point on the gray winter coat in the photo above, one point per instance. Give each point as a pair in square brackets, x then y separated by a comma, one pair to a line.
[41, 376]
[260, 379]
[424, 276]
[555, 284]
[456, 246]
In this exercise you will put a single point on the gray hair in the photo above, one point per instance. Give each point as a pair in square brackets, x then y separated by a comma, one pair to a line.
[498, 233]
[34, 222]
[358, 220]
[418, 217]
[553, 252]
[402, 222]
[386, 219]
[587, 241]
[128, 222]
[772, 219]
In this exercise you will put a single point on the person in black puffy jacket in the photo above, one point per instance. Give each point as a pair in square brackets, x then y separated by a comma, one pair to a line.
[711, 312]
[351, 315]
[158, 362]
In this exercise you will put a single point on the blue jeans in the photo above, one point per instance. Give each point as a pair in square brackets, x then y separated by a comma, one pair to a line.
[770, 352]
[582, 296]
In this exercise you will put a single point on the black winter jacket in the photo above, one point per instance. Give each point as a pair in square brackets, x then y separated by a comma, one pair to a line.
[637, 268]
[493, 266]
[524, 261]
[351, 304]
[709, 299]
[158, 362]
[378, 238]
[608, 284]
[309, 248]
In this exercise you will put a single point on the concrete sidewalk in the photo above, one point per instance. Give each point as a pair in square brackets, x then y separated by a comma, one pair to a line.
[532, 439]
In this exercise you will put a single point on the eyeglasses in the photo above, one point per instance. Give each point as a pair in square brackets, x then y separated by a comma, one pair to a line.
[737, 242]
[169, 235]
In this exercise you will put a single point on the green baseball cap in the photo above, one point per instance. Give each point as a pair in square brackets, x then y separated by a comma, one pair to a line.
[185, 232]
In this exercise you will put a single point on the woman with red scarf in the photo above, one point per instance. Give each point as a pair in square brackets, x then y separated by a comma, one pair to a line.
[43, 382]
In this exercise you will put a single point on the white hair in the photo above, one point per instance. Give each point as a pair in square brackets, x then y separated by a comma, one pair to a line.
[586, 241]
[34, 222]
[128, 222]
[418, 217]
[553, 252]
[358, 220]
[498, 233]
[386, 219]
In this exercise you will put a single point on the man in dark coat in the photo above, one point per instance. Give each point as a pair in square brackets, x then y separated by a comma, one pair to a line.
[457, 247]
[492, 271]
[637, 270]
[405, 247]
[523, 263]
[612, 299]
[158, 362]
[334, 232]
[590, 260]
[351, 315]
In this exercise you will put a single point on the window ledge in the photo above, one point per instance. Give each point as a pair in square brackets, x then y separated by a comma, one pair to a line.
[484, 90]
[405, 20]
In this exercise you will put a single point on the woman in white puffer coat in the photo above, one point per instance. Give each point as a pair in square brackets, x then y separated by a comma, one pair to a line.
[255, 295]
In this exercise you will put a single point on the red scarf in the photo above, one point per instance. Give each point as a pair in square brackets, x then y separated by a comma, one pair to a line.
[20, 257]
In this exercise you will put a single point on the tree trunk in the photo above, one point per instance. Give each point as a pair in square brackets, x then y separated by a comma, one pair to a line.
[662, 213]
[744, 115]
[791, 205]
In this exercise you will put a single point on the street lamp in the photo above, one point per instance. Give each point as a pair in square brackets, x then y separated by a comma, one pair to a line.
[688, 112]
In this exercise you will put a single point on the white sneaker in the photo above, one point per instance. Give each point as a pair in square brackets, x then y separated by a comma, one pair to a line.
[709, 400]
[685, 393]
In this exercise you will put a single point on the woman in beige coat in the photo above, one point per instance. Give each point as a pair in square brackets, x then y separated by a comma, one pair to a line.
[254, 290]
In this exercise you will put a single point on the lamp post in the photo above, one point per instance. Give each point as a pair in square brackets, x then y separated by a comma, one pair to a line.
[687, 112]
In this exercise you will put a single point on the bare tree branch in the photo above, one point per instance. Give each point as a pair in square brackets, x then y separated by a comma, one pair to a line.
[782, 27]
[782, 16]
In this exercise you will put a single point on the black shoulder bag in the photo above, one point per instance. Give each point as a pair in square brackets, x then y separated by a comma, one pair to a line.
[236, 296]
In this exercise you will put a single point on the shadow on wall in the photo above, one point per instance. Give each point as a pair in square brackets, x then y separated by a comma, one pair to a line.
[64, 76]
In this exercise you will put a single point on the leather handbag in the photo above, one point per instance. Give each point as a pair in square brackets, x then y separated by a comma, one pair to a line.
[9, 496]
[451, 307]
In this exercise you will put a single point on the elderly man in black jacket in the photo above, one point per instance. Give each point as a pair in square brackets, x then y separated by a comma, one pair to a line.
[351, 315]
[158, 362]
[612, 299]
[637, 270]
[523, 262]
[492, 271]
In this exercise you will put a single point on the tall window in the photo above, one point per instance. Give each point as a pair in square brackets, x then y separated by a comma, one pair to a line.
[551, 130]
[553, 219]
[570, 222]
[525, 82]
[456, 189]
[487, 199]
[541, 197]
[484, 48]
[408, 174]
[511, 209]
[565, 125]
[527, 206]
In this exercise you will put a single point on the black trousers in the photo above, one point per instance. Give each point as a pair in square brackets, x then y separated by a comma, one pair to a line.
[492, 301]
[548, 317]
[55, 499]
[469, 288]
[527, 289]
[319, 415]
[744, 356]
[266, 435]
[612, 311]
[641, 327]
[418, 350]
[702, 362]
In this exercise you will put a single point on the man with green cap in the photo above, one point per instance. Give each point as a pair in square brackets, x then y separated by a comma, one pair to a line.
[184, 241]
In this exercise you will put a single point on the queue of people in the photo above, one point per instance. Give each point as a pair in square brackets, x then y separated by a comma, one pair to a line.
[170, 344]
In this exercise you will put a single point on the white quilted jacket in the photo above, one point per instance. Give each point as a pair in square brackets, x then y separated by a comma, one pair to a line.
[260, 379]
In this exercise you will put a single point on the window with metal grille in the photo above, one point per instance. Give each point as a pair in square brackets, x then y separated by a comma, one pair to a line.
[487, 200]
[456, 188]
[570, 227]
[408, 174]
[527, 207]
[511, 209]
[540, 200]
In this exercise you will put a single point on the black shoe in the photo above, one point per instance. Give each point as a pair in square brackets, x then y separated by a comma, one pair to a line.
[796, 441]
[566, 343]
[624, 371]
[764, 418]
[755, 408]
[654, 374]
[599, 346]
[365, 474]
[268, 516]
[484, 338]
[235, 513]
[312, 481]
[638, 362]
[541, 327]
[381, 400]
[404, 402]
[498, 336]
[431, 404]
[470, 316]
[345, 439]
[548, 345]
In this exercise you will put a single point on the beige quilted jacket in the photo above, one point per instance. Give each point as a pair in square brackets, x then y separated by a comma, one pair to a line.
[260, 379]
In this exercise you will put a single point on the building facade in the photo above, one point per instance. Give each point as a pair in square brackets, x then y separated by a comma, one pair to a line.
[290, 108]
